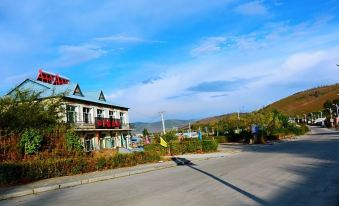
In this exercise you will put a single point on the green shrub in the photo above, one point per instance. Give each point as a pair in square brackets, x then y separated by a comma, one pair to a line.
[73, 141]
[157, 148]
[221, 139]
[30, 141]
[183, 147]
[209, 145]
[100, 163]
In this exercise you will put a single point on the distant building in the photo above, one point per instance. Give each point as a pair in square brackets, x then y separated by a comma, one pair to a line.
[99, 123]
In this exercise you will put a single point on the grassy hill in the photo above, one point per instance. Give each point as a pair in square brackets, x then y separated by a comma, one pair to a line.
[297, 104]
[306, 101]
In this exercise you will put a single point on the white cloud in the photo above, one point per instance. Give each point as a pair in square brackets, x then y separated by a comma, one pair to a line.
[75, 54]
[252, 8]
[209, 45]
[125, 39]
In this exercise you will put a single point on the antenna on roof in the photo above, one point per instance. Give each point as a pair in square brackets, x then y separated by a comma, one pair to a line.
[51, 78]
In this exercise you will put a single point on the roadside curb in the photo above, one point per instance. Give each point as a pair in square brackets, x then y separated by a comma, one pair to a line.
[42, 189]
[37, 190]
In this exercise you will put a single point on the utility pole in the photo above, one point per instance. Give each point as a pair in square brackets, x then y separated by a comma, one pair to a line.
[163, 122]
[189, 129]
[238, 121]
[331, 118]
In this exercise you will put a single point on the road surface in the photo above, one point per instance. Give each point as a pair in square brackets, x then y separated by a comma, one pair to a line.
[301, 172]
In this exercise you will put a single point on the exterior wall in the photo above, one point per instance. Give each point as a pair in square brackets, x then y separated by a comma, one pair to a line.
[93, 112]
[96, 139]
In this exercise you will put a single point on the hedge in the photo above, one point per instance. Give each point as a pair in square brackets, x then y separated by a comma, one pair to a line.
[183, 147]
[157, 148]
[27, 171]
[221, 139]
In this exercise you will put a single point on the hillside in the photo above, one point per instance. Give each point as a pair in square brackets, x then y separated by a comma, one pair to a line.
[157, 126]
[306, 101]
[297, 104]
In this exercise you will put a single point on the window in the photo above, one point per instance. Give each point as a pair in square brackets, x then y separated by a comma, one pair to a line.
[71, 114]
[111, 114]
[77, 91]
[89, 142]
[100, 113]
[87, 115]
[102, 97]
[122, 118]
[109, 142]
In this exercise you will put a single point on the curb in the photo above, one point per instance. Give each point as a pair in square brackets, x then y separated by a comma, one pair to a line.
[38, 190]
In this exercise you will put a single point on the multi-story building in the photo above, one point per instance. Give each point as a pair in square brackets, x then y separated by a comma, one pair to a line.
[99, 123]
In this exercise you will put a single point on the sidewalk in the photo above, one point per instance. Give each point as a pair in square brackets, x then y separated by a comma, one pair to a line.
[80, 179]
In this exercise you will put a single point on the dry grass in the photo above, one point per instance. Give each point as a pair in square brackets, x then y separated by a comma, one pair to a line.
[104, 153]
[307, 101]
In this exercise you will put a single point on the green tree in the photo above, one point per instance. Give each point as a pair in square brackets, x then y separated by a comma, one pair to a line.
[30, 141]
[73, 142]
[26, 109]
[145, 132]
[170, 136]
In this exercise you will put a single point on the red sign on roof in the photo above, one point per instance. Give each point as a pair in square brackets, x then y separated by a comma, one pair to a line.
[51, 78]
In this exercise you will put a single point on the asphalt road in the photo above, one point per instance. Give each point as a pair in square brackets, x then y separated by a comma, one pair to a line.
[301, 172]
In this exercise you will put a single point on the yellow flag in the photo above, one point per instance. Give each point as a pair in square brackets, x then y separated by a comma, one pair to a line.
[163, 142]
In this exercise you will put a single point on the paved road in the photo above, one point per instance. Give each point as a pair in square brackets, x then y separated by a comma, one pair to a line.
[301, 172]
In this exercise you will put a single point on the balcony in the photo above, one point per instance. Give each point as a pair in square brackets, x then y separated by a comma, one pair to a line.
[108, 123]
[99, 122]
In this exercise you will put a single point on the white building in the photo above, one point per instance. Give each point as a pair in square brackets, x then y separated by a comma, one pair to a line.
[99, 123]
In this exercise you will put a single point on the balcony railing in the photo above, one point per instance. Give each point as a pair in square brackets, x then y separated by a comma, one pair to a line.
[99, 123]
[107, 123]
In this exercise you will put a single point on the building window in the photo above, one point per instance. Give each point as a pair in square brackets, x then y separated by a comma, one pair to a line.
[100, 113]
[111, 114]
[71, 114]
[109, 142]
[122, 118]
[87, 115]
[89, 143]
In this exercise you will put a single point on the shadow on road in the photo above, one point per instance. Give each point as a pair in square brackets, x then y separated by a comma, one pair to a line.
[316, 173]
[188, 163]
[229, 185]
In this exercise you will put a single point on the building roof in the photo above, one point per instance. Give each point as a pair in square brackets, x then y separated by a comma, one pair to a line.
[71, 91]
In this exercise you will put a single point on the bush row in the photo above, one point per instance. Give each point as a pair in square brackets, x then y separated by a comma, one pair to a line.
[177, 148]
[290, 130]
[27, 171]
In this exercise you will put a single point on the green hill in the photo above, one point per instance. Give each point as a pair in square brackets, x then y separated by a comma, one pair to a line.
[306, 101]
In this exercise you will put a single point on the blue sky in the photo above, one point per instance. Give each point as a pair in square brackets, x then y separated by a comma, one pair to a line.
[192, 58]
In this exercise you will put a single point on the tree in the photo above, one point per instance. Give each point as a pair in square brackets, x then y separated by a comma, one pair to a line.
[145, 132]
[30, 141]
[25, 109]
[73, 141]
[170, 136]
